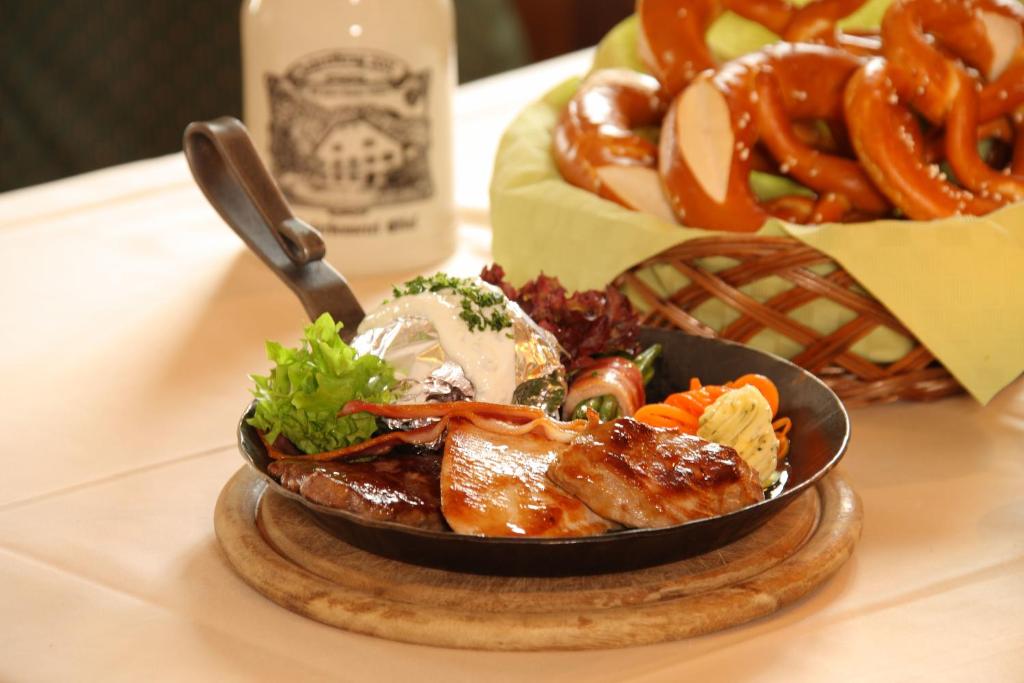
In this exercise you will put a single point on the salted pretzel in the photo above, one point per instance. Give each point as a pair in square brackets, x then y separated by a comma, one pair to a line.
[672, 32]
[802, 110]
[1001, 129]
[988, 35]
[897, 162]
[1017, 161]
[817, 22]
[595, 138]
[710, 131]
[828, 208]
[918, 38]
[962, 151]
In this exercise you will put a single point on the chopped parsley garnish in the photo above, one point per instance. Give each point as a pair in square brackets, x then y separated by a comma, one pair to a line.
[482, 308]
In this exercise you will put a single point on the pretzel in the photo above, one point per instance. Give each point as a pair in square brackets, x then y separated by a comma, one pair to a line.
[917, 36]
[596, 129]
[816, 22]
[897, 162]
[1017, 163]
[830, 207]
[988, 35]
[711, 128]
[1000, 129]
[962, 151]
[801, 110]
[672, 32]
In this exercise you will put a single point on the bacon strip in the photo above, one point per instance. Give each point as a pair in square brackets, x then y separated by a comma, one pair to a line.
[612, 376]
[497, 418]
[562, 432]
[412, 411]
[375, 446]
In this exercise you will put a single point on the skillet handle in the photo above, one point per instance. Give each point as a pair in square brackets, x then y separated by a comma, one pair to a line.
[229, 171]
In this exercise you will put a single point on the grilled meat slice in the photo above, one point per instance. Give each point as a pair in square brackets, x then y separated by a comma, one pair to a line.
[494, 484]
[401, 488]
[642, 476]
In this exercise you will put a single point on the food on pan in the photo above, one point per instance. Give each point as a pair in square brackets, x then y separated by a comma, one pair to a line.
[300, 397]
[597, 333]
[612, 386]
[401, 488]
[437, 433]
[641, 476]
[462, 338]
[742, 419]
[498, 475]
[585, 324]
[921, 120]
[740, 414]
[495, 484]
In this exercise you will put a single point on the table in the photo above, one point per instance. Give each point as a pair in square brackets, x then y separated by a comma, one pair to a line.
[131, 318]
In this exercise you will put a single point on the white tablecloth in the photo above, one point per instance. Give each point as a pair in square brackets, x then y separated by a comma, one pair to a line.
[131, 316]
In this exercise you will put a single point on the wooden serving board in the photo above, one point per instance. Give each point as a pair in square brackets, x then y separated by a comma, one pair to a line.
[279, 549]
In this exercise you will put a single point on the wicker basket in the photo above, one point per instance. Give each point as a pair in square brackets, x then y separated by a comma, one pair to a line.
[917, 376]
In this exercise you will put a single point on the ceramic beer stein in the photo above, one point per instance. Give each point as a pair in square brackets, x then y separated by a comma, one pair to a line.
[349, 104]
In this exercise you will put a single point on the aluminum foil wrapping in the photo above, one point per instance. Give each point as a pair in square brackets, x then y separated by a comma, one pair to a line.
[426, 373]
[540, 375]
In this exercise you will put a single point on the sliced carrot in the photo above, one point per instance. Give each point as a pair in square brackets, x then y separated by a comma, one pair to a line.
[713, 390]
[762, 384]
[782, 425]
[695, 401]
[709, 393]
[662, 415]
[683, 409]
[783, 446]
[687, 401]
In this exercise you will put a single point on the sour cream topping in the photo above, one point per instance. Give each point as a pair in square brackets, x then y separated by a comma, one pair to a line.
[487, 357]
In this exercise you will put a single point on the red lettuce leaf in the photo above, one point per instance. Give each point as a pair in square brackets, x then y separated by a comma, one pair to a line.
[586, 324]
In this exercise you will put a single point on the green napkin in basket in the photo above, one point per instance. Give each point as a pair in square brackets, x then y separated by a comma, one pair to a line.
[953, 283]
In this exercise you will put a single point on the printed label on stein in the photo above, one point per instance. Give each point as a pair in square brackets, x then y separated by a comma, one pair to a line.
[358, 138]
[349, 131]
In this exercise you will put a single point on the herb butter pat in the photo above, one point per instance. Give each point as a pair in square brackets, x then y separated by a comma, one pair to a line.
[742, 418]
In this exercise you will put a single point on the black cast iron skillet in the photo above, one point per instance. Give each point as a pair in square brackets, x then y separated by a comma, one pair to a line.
[230, 173]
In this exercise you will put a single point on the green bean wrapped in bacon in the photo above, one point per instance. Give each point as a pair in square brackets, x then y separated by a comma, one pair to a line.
[611, 386]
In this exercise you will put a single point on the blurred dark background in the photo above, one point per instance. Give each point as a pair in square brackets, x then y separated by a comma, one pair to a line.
[85, 85]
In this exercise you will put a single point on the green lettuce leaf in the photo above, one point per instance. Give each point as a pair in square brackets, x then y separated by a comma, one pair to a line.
[302, 394]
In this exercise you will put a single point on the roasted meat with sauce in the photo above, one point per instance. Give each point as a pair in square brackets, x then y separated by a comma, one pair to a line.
[511, 471]
[642, 476]
[494, 484]
[399, 488]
